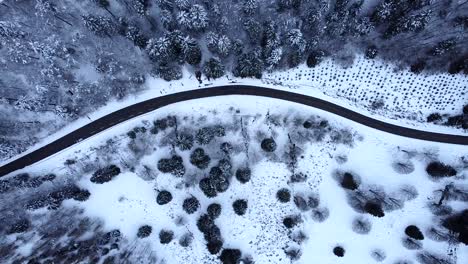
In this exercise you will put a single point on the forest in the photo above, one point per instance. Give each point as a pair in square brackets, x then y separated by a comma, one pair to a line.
[60, 60]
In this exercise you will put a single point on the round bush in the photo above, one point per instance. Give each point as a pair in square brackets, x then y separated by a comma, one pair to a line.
[205, 223]
[144, 231]
[214, 210]
[205, 135]
[291, 221]
[414, 232]
[320, 214]
[165, 236]
[313, 200]
[243, 175]
[268, 145]
[307, 124]
[438, 170]
[361, 225]
[283, 195]
[374, 209]
[230, 256]
[225, 167]
[339, 251]
[226, 147]
[174, 166]
[186, 239]
[301, 203]
[214, 247]
[207, 187]
[191, 205]
[240, 206]
[164, 197]
[293, 253]
[199, 159]
[219, 179]
[184, 141]
[348, 182]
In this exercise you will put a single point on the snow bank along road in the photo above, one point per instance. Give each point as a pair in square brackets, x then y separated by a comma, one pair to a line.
[155, 103]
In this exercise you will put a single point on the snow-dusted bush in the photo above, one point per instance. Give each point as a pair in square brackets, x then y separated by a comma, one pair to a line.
[199, 158]
[207, 187]
[240, 206]
[186, 239]
[20, 226]
[374, 208]
[339, 251]
[301, 202]
[166, 236]
[144, 231]
[411, 244]
[184, 141]
[378, 255]
[191, 205]
[349, 181]
[361, 225]
[230, 255]
[173, 165]
[163, 197]
[268, 144]
[214, 210]
[439, 170]
[105, 174]
[283, 195]
[243, 174]
[292, 221]
[414, 232]
[320, 214]
[403, 167]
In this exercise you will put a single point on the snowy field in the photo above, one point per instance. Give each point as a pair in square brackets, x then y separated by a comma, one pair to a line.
[292, 184]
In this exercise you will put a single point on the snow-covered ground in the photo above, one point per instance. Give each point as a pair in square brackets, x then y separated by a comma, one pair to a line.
[366, 215]
[407, 98]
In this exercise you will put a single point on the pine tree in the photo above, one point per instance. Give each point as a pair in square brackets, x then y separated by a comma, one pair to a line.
[99, 25]
[249, 65]
[195, 18]
[213, 68]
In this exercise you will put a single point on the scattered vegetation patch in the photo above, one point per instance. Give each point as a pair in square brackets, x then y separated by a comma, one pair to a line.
[105, 174]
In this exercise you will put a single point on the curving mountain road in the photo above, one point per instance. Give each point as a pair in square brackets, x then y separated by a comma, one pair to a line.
[155, 103]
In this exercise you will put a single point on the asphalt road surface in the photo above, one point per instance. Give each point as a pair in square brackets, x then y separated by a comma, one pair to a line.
[155, 103]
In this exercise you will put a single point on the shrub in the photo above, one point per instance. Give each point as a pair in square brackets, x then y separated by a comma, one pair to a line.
[205, 223]
[374, 209]
[225, 166]
[205, 135]
[320, 214]
[378, 255]
[240, 206]
[184, 141]
[298, 177]
[243, 175]
[339, 251]
[292, 221]
[174, 166]
[298, 236]
[283, 195]
[293, 253]
[186, 239]
[361, 225]
[105, 174]
[219, 179]
[313, 200]
[214, 247]
[214, 210]
[438, 170]
[348, 181]
[191, 205]
[144, 231]
[164, 197]
[268, 145]
[81, 195]
[458, 223]
[301, 203]
[199, 159]
[403, 167]
[20, 226]
[207, 187]
[165, 236]
[230, 256]
[434, 117]
[226, 147]
[414, 232]
[411, 244]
